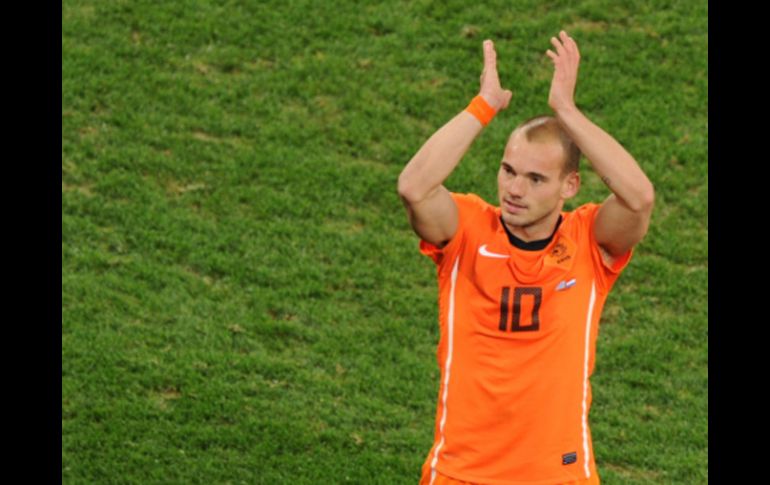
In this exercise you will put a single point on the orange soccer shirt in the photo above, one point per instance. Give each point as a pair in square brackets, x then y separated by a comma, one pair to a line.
[517, 339]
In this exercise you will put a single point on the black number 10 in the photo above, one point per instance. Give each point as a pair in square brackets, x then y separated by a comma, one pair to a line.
[518, 294]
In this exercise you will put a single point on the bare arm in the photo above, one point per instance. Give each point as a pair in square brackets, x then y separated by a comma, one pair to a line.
[624, 217]
[431, 210]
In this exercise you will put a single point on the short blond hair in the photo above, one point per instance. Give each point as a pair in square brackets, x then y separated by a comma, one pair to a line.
[544, 128]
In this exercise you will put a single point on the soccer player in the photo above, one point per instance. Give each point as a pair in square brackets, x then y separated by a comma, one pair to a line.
[522, 284]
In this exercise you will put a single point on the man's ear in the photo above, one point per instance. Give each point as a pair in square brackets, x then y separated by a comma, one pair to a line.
[570, 185]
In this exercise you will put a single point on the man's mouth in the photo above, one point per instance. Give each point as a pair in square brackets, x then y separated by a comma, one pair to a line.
[514, 207]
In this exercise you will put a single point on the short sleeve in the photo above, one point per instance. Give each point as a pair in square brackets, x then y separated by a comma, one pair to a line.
[468, 207]
[607, 273]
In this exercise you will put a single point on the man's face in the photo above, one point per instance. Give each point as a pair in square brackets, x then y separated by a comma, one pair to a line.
[531, 189]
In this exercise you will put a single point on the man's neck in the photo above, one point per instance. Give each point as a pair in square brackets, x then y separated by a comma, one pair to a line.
[536, 236]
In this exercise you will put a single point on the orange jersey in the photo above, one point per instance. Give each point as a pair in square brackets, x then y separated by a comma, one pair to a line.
[518, 333]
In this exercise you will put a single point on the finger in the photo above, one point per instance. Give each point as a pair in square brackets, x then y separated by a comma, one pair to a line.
[573, 46]
[569, 43]
[558, 45]
[557, 61]
[490, 56]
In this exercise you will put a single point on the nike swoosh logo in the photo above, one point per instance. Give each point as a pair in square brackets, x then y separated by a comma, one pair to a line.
[483, 251]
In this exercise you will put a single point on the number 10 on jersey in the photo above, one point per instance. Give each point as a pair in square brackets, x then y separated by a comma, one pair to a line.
[514, 309]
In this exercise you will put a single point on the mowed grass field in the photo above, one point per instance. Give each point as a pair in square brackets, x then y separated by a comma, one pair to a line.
[242, 296]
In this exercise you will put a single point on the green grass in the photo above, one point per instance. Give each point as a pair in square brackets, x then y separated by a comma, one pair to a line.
[242, 296]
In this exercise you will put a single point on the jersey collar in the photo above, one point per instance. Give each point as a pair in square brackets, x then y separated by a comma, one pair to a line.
[538, 245]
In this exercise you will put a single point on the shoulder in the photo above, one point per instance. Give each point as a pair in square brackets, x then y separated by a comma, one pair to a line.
[469, 199]
[583, 215]
[469, 203]
[579, 223]
[474, 213]
[476, 218]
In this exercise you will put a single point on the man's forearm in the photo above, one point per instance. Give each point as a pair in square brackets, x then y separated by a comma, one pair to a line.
[438, 157]
[616, 167]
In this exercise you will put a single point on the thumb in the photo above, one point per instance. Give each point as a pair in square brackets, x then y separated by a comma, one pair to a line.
[507, 95]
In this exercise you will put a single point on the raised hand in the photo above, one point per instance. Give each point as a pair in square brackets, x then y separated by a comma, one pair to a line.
[497, 97]
[566, 60]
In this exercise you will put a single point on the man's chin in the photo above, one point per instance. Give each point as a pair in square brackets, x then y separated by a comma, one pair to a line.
[515, 220]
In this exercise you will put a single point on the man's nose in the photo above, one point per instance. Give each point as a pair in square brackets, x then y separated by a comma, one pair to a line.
[516, 186]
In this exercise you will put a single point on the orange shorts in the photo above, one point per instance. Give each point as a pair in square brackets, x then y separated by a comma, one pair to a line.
[445, 480]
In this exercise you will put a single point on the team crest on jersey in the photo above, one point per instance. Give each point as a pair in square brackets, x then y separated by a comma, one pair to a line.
[562, 253]
[559, 252]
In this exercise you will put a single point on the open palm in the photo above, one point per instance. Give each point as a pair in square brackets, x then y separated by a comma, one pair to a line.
[566, 60]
